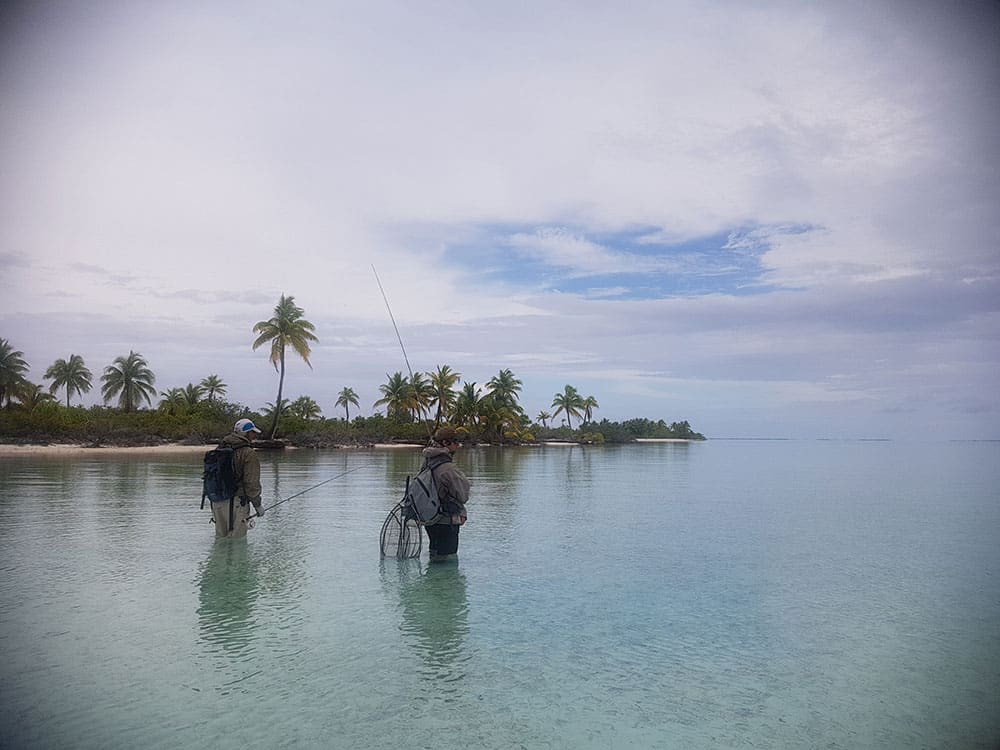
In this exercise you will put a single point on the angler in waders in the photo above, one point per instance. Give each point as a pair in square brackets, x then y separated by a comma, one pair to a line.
[453, 492]
[231, 517]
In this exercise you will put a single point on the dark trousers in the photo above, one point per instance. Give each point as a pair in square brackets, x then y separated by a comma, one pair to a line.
[443, 538]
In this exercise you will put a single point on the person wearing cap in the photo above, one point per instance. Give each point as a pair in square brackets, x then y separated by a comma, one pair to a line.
[246, 467]
[453, 491]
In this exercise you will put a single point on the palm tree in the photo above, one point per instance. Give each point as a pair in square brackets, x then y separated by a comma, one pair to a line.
[398, 397]
[504, 388]
[498, 417]
[423, 394]
[589, 404]
[346, 397]
[286, 328]
[12, 371]
[499, 407]
[72, 375]
[466, 405]
[544, 417]
[213, 387]
[173, 401]
[271, 411]
[570, 402]
[305, 407]
[31, 395]
[130, 379]
[193, 394]
[443, 382]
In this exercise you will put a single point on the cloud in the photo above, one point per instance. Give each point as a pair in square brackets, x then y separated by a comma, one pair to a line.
[774, 205]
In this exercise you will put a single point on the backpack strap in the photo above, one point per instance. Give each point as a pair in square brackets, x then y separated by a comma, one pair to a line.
[437, 461]
[433, 464]
[232, 500]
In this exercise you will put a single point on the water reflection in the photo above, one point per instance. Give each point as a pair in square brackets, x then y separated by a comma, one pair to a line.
[435, 619]
[229, 587]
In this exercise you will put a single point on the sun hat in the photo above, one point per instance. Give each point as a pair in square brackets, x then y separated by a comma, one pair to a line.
[446, 435]
[244, 426]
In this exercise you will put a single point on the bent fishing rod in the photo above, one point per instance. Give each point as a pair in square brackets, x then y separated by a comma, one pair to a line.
[430, 435]
[393, 319]
[307, 489]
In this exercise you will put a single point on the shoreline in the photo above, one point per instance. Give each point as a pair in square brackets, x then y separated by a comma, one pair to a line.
[10, 450]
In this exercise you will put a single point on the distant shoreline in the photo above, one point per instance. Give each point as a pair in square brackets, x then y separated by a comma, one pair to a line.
[664, 440]
[74, 449]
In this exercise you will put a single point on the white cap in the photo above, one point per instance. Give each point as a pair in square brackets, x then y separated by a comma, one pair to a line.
[244, 426]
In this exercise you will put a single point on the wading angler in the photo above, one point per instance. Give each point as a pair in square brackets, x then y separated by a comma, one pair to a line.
[231, 481]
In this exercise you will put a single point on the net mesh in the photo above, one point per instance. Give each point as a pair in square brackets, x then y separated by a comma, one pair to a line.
[401, 536]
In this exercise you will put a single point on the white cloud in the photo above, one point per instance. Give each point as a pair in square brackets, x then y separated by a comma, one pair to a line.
[168, 172]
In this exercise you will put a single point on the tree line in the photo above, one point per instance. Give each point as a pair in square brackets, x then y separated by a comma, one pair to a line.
[415, 404]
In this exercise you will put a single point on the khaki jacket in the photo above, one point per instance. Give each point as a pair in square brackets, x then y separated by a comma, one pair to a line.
[246, 464]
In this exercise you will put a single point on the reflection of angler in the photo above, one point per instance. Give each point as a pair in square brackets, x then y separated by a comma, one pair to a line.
[435, 620]
[260, 512]
[228, 589]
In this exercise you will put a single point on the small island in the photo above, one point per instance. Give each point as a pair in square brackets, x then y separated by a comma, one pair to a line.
[411, 406]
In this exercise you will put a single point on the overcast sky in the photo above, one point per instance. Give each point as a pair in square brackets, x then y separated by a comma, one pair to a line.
[774, 219]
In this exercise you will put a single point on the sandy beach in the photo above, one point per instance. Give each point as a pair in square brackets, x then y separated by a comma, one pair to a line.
[69, 449]
[57, 449]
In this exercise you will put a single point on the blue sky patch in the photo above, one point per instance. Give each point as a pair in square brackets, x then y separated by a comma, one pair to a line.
[628, 265]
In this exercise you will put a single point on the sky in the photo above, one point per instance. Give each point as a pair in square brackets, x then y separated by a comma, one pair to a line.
[773, 219]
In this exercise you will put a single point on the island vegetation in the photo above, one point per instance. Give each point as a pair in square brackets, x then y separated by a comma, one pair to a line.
[410, 406]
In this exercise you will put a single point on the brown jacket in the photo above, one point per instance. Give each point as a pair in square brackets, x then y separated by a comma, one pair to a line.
[452, 484]
[246, 465]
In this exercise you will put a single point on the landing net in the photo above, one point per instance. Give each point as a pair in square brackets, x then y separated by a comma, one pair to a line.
[401, 536]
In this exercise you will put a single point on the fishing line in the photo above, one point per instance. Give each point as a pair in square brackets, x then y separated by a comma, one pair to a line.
[393, 319]
[430, 435]
[307, 489]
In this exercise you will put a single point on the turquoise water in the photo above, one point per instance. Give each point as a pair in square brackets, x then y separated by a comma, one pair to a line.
[721, 594]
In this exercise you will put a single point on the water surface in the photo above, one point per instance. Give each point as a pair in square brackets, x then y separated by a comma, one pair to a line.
[763, 594]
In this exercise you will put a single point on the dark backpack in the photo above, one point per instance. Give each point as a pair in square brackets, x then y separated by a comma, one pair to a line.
[421, 496]
[219, 481]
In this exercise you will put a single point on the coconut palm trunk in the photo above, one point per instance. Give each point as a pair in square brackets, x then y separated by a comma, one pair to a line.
[277, 408]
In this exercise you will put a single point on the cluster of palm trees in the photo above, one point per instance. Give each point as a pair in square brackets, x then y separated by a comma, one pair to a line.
[433, 396]
[127, 379]
[572, 404]
[180, 400]
[493, 409]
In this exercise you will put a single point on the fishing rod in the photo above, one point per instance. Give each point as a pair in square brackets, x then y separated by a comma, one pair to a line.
[307, 489]
[393, 319]
[399, 338]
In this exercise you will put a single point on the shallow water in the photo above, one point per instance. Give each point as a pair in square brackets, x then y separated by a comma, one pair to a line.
[718, 594]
